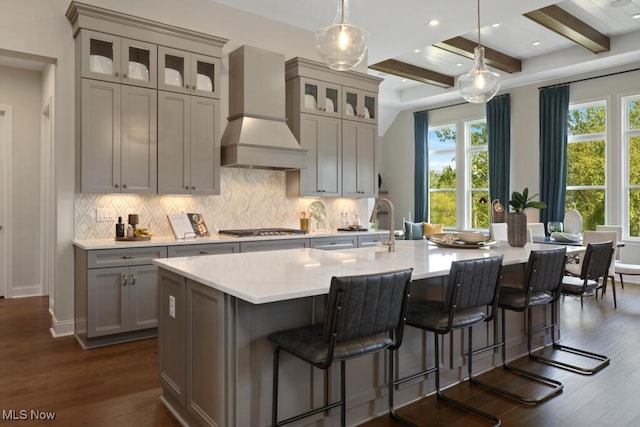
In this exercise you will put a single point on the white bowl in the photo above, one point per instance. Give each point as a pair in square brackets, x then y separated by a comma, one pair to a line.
[349, 111]
[471, 237]
[204, 83]
[100, 64]
[310, 102]
[138, 71]
[367, 115]
[328, 104]
[172, 77]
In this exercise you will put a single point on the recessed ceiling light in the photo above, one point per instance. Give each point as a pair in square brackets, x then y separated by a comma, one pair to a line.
[434, 22]
[416, 50]
[403, 80]
[459, 64]
[496, 25]
[536, 43]
[636, 16]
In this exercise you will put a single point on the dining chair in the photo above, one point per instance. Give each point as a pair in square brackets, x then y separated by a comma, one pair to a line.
[364, 314]
[620, 267]
[537, 229]
[498, 231]
[594, 267]
[470, 297]
[597, 237]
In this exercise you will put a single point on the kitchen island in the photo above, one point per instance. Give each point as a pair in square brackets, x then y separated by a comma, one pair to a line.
[217, 311]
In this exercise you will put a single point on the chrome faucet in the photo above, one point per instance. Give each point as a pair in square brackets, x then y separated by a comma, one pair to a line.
[392, 238]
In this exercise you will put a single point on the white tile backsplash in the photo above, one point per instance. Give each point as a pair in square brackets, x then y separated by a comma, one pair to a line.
[248, 198]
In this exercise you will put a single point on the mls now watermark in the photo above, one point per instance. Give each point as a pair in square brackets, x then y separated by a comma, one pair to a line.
[24, 414]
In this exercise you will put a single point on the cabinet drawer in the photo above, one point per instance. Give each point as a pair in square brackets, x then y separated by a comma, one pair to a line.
[207, 249]
[372, 240]
[123, 257]
[273, 245]
[332, 243]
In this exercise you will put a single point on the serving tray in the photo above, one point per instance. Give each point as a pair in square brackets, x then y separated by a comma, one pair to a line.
[438, 240]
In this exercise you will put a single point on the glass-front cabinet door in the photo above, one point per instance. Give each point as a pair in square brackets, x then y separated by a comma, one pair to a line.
[360, 105]
[187, 72]
[319, 97]
[110, 58]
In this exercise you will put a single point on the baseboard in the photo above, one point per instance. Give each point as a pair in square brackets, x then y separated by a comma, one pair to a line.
[60, 328]
[26, 291]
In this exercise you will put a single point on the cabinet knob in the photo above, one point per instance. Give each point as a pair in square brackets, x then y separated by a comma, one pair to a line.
[204, 252]
[128, 256]
[124, 185]
[193, 187]
[186, 187]
[117, 74]
[133, 279]
[124, 75]
[124, 278]
[116, 185]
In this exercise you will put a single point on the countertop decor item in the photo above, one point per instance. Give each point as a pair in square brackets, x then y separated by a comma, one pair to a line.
[517, 221]
[317, 212]
[479, 85]
[341, 45]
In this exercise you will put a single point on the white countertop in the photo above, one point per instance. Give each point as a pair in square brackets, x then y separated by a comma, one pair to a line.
[263, 277]
[90, 244]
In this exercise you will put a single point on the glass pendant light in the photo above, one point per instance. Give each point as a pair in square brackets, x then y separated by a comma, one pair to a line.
[341, 45]
[479, 85]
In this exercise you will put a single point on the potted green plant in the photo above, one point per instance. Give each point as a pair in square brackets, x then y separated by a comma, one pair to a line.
[517, 220]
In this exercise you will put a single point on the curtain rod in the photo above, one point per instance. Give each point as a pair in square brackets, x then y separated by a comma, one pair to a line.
[589, 78]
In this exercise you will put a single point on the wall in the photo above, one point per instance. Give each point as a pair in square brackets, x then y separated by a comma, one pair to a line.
[39, 27]
[21, 89]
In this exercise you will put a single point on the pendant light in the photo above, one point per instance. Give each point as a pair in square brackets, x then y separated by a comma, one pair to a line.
[341, 45]
[479, 85]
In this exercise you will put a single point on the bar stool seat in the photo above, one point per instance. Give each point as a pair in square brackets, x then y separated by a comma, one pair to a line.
[364, 314]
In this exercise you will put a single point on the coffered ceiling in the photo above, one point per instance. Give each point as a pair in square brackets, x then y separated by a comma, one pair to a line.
[522, 33]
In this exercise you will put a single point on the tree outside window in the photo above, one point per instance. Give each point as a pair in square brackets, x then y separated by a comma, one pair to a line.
[631, 132]
[479, 176]
[586, 162]
[442, 175]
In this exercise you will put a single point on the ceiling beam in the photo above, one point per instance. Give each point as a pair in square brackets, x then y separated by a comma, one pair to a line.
[562, 22]
[493, 58]
[402, 69]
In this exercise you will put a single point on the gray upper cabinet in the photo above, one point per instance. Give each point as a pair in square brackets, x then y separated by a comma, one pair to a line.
[360, 105]
[188, 144]
[187, 72]
[118, 138]
[359, 177]
[334, 116]
[119, 60]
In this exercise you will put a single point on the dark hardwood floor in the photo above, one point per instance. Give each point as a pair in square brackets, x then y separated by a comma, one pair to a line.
[119, 386]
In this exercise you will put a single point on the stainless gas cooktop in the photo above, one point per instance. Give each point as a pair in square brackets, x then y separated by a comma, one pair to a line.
[261, 232]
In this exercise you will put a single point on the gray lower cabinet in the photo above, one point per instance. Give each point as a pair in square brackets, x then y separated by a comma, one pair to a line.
[334, 243]
[116, 295]
[191, 364]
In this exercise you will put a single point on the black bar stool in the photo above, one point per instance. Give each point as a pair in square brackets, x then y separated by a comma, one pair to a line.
[594, 267]
[471, 297]
[540, 286]
[364, 314]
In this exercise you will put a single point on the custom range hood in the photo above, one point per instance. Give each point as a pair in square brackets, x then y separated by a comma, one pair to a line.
[257, 135]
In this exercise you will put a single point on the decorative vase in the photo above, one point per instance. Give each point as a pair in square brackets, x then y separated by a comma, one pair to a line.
[517, 229]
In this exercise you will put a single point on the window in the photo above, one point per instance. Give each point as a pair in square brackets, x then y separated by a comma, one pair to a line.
[459, 175]
[631, 139]
[586, 163]
[479, 174]
[442, 175]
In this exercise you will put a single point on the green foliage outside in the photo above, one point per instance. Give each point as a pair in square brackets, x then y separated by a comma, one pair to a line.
[586, 168]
